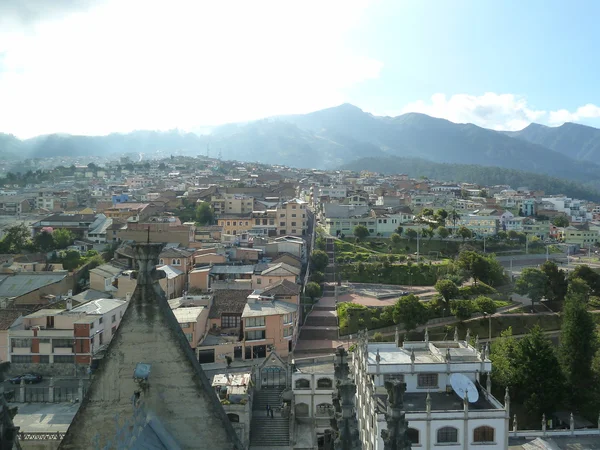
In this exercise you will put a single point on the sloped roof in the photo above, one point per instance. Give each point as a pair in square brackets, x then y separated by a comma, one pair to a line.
[101, 306]
[281, 269]
[8, 317]
[267, 308]
[228, 301]
[282, 287]
[23, 283]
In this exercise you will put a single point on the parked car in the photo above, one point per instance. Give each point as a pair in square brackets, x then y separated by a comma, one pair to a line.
[28, 378]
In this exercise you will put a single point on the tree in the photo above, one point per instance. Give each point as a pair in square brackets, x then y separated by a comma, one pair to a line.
[533, 284]
[556, 289]
[361, 232]
[16, 238]
[427, 233]
[462, 309]
[502, 235]
[590, 276]
[411, 233]
[317, 277]
[319, 260]
[578, 345]
[395, 238]
[513, 235]
[443, 232]
[504, 359]
[464, 233]
[561, 221]
[485, 304]
[539, 380]
[473, 263]
[71, 260]
[410, 312]
[400, 230]
[43, 241]
[447, 289]
[204, 214]
[454, 216]
[313, 290]
[62, 238]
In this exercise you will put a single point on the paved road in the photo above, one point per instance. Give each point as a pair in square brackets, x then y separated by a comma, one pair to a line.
[45, 417]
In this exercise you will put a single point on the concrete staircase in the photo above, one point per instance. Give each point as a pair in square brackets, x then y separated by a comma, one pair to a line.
[266, 431]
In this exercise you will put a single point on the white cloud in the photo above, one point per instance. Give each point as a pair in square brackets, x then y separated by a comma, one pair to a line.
[561, 116]
[132, 64]
[497, 111]
[490, 110]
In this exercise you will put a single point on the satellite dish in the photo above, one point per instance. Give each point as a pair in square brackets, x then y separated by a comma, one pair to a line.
[463, 387]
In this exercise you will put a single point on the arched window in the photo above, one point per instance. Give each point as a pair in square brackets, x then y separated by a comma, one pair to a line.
[233, 417]
[447, 435]
[324, 409]
[324, 383]
[483, 434]
[413, 435]
[161, 261]
[302, 384]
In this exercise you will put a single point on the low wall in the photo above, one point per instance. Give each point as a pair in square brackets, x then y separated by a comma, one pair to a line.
[47, 370]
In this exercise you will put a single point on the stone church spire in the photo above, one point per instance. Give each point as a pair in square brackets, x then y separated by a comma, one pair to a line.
[395, 437]
[344, 423]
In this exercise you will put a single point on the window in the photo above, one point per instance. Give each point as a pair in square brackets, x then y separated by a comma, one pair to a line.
[287, 332]
[324, 383]
[44, 340]
[293, 224]
[92, 325]
[394, 376]
[235, 223]
[100, 320]
[259, 281]
[161, 261]
[255, 322]
[413, 435]
[281, 215]
[427, 380]
[483, 434]
[230, 321]
[282, 224]
[21, 343]
[21, 359]
[228, 223]
[100, 338]
[189, 337]
[324, 409]
[293, 206]
[44, 359]
[185, 325]
[62, 343]
[288, 318]
[293, 215]
[447, 435]
[63, 359]
[113, 319]
[302, 384]
[293, 231]
[255, 335]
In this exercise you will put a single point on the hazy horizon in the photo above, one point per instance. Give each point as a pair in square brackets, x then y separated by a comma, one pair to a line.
[97, 67]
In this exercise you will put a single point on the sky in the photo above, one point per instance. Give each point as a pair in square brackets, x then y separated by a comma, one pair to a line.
[101, 66]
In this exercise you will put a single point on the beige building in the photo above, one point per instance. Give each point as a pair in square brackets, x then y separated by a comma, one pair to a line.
[275, 273]
[232, 204]
[292, 219]
[193, 321]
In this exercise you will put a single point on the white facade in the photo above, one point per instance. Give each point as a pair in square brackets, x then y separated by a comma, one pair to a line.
[437, 417]
[333, 192]
[573, 208]
[386, 225]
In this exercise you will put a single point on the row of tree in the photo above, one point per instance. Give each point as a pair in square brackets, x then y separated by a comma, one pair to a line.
[545, 379]
[18, 239]
[552, 283]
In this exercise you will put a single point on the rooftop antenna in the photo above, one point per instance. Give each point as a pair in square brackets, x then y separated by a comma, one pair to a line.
[464, 387]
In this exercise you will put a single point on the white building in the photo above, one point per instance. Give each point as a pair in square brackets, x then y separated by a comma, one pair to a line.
[313, 386]
[575, 209]
[437, 417]
[339, 192]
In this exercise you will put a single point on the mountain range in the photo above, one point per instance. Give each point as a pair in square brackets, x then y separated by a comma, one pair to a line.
[334, 137]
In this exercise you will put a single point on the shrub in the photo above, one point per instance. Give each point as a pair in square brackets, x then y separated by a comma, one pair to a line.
[378, 337]
[476, 289]
[485, 304]
[462, 309]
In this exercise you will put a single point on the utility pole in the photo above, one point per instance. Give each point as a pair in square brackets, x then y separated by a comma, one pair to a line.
[418, 234]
